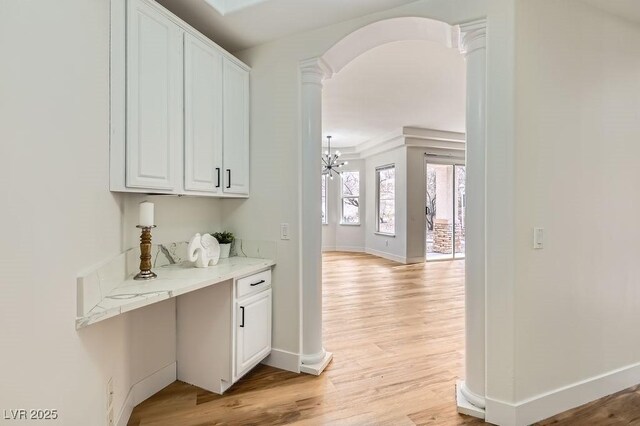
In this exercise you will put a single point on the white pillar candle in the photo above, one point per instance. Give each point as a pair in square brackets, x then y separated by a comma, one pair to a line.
[146, 214]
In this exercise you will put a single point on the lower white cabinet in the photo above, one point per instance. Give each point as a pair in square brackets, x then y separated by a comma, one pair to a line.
[223, 331]
[253, 337]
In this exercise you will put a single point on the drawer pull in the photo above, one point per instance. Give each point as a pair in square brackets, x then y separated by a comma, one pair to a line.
[218, 172]
[258, 283]
[242, 324]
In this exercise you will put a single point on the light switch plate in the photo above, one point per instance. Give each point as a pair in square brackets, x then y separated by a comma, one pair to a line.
[538, 238]
[284, 231]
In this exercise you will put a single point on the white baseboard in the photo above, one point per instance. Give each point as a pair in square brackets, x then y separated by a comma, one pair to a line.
[127, 409]
[463, 404]
[355, 249]
[283, 360]
[385, 255]
[144, 389]
[318, 368]
[557, 401]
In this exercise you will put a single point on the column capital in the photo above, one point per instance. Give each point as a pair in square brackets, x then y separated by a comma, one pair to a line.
[473, 36]
[315, 70]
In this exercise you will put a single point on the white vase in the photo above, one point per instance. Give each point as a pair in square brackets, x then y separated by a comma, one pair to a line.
[224, 250]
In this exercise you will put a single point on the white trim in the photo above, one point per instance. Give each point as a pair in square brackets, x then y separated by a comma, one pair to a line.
[543, 406]
[384, 234]
[145, 388]
[127, 409]
[388, 256]
[317, 368]
[439, 142]
[354, 249]
[391, 166]
[463, 404]
[283, 360]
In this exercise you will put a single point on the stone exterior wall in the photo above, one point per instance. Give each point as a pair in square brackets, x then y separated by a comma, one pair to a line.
[442, 238]
[442, 230]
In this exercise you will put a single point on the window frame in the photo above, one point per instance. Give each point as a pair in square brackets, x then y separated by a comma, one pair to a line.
[324, 199]
[343, 196]
[378, 170]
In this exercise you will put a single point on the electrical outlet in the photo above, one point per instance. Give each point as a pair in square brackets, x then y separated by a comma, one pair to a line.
[386, 243]
[284, 231]
[110, 394]
[110, 420]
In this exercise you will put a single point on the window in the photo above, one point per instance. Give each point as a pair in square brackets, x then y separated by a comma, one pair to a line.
[324, 199]
[386, 199]
[350, 198]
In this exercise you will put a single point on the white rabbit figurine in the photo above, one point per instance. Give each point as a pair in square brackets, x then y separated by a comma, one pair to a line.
[204, 250]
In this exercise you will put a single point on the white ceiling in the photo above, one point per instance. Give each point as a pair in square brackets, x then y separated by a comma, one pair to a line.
[401, 84]
[628, 9]
[239, 24]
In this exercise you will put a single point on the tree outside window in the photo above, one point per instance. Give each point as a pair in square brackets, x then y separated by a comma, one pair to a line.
[350, 198]
[386, 199]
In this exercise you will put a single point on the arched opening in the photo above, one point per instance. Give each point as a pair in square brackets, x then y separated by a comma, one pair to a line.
[470, 39]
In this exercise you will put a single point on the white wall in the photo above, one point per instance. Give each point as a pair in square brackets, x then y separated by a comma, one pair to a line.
[54, 178]
[391, 247]
[577, 301]
[336, 236]
[58, 217]
[275, 150]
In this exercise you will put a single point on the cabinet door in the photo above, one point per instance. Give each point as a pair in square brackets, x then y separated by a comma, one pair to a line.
[253, 326]
[236, 129]
[203, 117]
[154, 98]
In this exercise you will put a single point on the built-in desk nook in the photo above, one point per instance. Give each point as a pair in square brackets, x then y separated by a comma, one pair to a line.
[223, 311]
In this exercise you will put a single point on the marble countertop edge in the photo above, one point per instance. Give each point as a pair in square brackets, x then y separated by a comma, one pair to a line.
[173, 281]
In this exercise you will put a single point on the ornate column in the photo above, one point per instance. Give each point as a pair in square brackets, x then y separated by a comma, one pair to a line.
[314, 358]
[473, 47]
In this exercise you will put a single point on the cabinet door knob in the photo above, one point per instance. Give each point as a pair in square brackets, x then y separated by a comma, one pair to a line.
[242, 320]
[258, 283]
[218, 173]
[229, 178]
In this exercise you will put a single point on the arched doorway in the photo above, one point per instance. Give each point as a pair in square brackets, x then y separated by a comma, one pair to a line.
[470, 39]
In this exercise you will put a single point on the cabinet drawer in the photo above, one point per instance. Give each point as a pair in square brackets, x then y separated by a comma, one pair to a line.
[253, 284]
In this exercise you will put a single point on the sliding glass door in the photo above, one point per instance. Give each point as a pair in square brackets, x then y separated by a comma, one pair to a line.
[445, 211]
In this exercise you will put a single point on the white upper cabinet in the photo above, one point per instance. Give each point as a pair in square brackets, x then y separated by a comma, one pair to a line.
[236, 129]
[154, 99]
[203, 117]
[179, 107]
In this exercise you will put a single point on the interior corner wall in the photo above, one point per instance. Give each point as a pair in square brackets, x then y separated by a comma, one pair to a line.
[59, 218]
[577, 299]
[58, 215]
[389, 247]
[336, 236]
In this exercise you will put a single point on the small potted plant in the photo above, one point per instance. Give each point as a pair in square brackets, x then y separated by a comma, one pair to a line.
[225, 239]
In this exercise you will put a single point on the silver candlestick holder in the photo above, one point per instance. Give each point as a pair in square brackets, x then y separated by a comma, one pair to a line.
[145, 254]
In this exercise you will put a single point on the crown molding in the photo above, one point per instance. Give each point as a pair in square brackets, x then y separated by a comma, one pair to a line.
[438, 142]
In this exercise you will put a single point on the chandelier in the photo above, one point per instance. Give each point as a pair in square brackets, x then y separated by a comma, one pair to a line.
[331, 162]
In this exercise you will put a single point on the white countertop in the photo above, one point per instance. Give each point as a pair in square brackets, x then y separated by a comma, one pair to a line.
[172, 281]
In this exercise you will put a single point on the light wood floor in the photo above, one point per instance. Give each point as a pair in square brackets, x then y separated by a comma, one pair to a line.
[397, 335]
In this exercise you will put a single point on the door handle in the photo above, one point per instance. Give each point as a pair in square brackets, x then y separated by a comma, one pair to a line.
[218, 172]
[229, 179]
[258, 283]
[242, 323]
